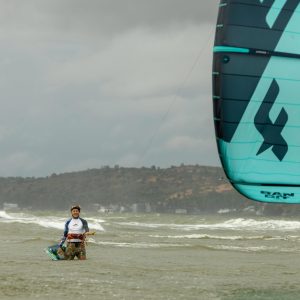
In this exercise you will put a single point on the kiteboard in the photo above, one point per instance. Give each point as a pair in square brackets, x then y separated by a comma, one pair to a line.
[55, 252]
[256, 97]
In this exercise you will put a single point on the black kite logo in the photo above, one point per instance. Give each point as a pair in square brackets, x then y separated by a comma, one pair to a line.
[271, 132]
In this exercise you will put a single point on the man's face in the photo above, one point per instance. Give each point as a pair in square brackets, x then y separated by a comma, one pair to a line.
[75, 213]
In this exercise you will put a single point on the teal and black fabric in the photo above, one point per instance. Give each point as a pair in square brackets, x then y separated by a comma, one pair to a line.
[256, 97]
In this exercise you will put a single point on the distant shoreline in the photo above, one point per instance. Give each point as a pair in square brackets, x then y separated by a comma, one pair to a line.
[184, 189]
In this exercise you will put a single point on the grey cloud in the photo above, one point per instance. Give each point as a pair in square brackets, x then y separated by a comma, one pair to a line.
[122, 14]
[69, 103]
[98, 17]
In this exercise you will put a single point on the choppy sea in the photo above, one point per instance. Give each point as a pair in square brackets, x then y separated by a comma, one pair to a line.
[152, 256]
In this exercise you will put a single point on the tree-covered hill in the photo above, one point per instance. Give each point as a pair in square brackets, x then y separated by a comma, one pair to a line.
[194, 189]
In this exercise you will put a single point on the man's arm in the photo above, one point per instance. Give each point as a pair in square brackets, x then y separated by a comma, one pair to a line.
[85, 225]
[66, 230]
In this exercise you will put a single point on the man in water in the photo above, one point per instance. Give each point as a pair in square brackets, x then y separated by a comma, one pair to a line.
[75, 232]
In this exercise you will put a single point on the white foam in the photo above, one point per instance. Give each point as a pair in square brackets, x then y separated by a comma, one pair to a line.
[232, 224]
[256, 249]
[251, 224]
[218, 237]
[226, 211]
[48, 222]
[4, 215]
[245, 249]
[139, 245]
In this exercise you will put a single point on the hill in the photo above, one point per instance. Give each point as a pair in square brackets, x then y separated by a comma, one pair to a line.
[191, 189]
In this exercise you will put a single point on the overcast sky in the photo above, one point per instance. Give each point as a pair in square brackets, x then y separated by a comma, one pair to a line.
[91, 83]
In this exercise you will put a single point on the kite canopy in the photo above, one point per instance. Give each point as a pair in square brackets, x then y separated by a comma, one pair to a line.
[256, 97]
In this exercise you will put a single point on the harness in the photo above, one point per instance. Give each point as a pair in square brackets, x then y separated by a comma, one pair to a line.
[73, 236]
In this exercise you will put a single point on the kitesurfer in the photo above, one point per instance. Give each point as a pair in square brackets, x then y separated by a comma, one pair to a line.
[74, 235]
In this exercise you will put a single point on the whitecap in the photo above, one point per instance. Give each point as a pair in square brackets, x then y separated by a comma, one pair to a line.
[141, 245]
[232, 224]
[47, 222]
[218, 237]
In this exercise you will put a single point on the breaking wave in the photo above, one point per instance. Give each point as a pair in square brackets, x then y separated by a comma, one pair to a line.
[232, 224]
[47, 222]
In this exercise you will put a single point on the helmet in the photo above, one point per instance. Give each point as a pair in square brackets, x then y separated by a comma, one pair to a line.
[75, 207]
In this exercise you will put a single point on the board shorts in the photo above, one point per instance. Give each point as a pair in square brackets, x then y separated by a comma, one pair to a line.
[75, 250]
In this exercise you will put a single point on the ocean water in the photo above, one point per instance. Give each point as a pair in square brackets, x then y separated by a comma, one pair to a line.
[152, 256]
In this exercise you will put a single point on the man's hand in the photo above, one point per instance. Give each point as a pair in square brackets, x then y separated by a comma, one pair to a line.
[90, 233]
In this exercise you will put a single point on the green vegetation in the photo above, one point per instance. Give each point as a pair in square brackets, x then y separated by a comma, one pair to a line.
[191, 189]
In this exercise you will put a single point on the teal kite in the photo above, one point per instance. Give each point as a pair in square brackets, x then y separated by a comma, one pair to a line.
[256, 97]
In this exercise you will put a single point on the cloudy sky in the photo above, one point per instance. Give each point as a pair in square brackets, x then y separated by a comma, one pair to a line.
[91, 83]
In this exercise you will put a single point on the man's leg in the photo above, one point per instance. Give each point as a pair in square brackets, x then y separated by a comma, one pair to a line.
[81, 252]
[70, 251]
